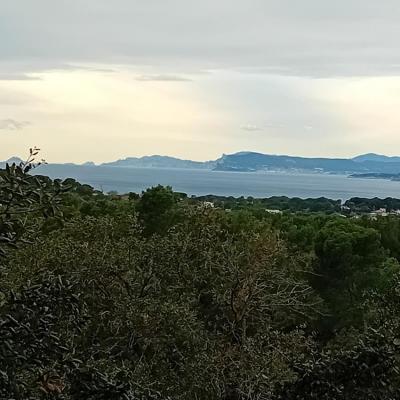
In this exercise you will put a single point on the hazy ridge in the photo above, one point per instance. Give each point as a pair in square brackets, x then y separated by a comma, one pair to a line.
[256, 162]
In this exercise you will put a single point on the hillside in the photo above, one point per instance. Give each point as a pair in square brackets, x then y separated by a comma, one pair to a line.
[157, 161]
[251, 162]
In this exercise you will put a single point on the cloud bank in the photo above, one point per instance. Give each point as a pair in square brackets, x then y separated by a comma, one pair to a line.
[307, 77]
[299, 38]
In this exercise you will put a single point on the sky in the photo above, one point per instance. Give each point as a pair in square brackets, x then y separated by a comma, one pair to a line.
[99, 80]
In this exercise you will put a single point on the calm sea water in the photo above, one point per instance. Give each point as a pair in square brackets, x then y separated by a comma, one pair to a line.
[198, 182]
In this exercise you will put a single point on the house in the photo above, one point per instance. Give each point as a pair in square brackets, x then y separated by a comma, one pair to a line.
[382, 212]
[273, 211]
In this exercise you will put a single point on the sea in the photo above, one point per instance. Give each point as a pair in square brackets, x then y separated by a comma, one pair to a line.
[203, 182]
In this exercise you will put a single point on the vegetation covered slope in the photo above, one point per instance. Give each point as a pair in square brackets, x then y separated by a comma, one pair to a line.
[159, 296]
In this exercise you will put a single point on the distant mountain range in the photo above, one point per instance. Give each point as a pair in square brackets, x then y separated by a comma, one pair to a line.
[254, 162]
[258, 162]
[160, 162]
[375, 157]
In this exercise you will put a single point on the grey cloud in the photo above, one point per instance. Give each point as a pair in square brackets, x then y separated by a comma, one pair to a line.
[85, 68]
[17, 77]
[23, 70]
[250, 128]
[274, 125]
[308, 38]
[163, 78]
[12, 125]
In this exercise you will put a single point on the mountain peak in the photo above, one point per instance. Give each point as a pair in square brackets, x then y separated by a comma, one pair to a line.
[375, 157]
[14, 160]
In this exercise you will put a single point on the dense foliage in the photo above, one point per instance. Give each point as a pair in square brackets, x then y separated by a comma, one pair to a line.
[160, 296]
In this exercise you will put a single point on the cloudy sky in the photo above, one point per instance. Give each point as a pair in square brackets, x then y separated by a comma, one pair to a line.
[100, 80]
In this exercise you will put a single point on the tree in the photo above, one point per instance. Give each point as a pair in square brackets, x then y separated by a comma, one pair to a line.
[364, 365]
[23, 198]
[349, 261]
[156, 208]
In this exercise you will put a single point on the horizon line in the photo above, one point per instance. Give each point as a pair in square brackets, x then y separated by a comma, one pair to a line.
[208, 160]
